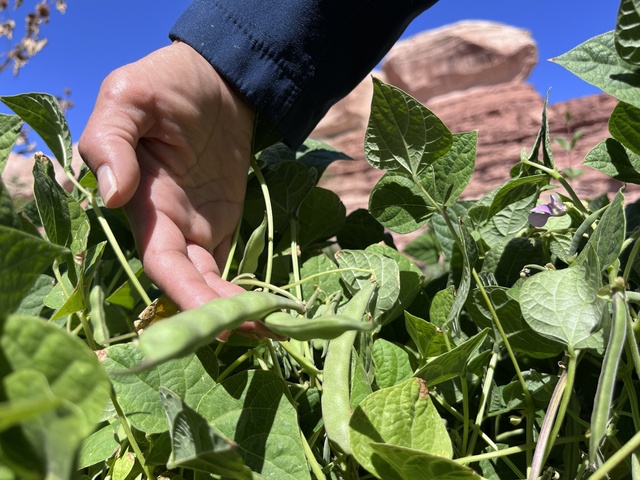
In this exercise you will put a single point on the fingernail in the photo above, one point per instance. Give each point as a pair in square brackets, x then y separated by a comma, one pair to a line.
[107, 182]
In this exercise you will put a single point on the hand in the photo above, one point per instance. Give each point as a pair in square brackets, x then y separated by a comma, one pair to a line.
[171, 141]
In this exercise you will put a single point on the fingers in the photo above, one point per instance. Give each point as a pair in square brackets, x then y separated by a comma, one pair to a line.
[120, 118]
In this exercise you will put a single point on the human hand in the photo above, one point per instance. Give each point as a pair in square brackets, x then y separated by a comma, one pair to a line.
[170, 141]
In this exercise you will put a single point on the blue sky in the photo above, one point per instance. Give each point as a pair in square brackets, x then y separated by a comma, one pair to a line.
[92, 38]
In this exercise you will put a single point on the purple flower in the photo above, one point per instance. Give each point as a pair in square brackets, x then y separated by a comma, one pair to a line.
[539, 215]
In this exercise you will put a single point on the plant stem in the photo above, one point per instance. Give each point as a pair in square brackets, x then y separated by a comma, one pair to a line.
[484, 397]
[632, 256]
[560, 179]
[505, 340]
[227, 371]
[87, 331]
[311, 459]
[269, 211]
[295, 267]
[119, 253]
[465, 413]
[232, 251]
[326, 272]
[132, 439]
[525, 390]
[513, 450]
[623, 452]
[306, 365]
[265, 286]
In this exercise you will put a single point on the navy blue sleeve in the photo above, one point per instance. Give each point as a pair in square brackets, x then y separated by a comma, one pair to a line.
[293, 59]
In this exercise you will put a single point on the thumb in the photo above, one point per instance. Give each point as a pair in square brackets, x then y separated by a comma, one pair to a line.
[108, 143]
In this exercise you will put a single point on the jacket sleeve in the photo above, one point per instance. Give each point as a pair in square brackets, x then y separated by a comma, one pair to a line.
[293, 59]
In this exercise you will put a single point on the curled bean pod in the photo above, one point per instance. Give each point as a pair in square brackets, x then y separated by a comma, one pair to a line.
[187, 331]
[304, 329]
[336, 409]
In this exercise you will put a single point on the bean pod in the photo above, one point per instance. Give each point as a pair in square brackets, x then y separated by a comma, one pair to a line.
[601, 413]
[187, 331]
[304, 329]
[336, 409]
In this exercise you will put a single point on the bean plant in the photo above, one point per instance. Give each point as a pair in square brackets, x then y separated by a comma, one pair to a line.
[500, 344]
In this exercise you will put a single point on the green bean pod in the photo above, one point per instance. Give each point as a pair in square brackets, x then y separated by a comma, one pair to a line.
[326, 327]
[608, 374]
[336, 409]
[187, 331]
[253, 249]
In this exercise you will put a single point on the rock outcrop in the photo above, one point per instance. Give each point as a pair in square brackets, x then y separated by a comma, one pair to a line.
[478, 82]
[460, 56]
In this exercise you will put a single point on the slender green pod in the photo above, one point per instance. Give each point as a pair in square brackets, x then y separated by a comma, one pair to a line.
[253, 249]
[336, 409]
[325, 327]
[608, 375]
[187, 331]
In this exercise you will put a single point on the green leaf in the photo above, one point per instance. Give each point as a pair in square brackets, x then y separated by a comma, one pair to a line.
[614, 159]
[126, 295]
[8, 216]
[360, 230]
[416, 425]
[316, 265]
[627, 36]
[511, 397]
[12, 413]
[45, 362]
[197, 444]
[289, 182]
[360, 382]
[122, 466]
[411, 279]
[80, 228]
[23, 258]
[403, 135]
[386, 272]
[392, 363]
[252, 408]
[447, 177]
[429, 339]
[520, 335]
[513, 191]
[563, 305]
[512, 258]
[10, 126]
[597, 62]
[452, 363]
[138, 392]
[424, 248]
[51, 200]
[320, 217]
[445, 238]
[441, 306]
[608, 236]
[33, 302]
[411, 464]
[318, 155]
[399, 204]
[42, 112]
[624, 125]
[98, 447]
